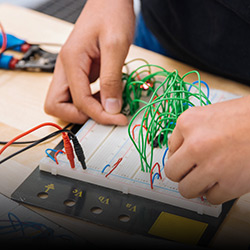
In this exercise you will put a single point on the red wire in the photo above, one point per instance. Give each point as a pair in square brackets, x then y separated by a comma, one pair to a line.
[138, 76]
[151, 172]
[133, 130]
[66, 141]
[28, 132]
[55, 156]
[4, 42]
[114, 167]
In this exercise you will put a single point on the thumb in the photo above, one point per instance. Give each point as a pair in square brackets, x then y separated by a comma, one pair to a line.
[111, 93]
[112, 61]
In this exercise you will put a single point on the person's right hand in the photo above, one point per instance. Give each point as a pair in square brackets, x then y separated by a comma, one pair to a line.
[209, 151]
[97, 47]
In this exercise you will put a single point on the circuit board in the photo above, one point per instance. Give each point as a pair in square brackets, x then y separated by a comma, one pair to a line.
[113, 162]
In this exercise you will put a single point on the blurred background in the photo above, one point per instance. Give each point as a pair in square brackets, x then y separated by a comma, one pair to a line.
[67, 10]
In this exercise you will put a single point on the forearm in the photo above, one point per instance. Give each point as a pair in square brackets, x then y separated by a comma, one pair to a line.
[112, 10]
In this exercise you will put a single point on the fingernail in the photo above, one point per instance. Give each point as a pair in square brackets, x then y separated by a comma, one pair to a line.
[112, 105]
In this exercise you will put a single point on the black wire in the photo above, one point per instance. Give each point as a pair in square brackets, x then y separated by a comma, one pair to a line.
[28, 142]
[17, 142]
[38, 142]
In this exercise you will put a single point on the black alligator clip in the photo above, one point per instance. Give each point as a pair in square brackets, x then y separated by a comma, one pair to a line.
[37, 60]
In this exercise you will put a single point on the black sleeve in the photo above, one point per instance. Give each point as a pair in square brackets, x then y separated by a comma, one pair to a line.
[211, 35]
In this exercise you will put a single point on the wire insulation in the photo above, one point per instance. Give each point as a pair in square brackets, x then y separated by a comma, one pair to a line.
[159, 97]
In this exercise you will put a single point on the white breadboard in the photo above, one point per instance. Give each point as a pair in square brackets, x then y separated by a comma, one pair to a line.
[104, 145]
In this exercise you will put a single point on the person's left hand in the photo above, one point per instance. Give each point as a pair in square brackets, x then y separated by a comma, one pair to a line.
[209, 151]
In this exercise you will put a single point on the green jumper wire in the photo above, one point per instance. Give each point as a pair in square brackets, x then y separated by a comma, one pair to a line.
[168, 98]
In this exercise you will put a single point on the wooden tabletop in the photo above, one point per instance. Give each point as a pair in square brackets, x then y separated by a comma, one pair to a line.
[22, 96]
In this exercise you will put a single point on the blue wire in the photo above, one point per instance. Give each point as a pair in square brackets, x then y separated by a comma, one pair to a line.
[208, 92]
[163, 158]
[108, 165]
[172, 123]
[50, 156]
[19, 223]
[189, 104]
[155, 175]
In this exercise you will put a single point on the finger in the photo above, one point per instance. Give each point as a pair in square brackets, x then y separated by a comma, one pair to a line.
[112, 61]
[94, 71]
[175, 141]
[82, 97]
[58, 98]
[218, 194]
[196, 183]
[179, 164]
[69, 113]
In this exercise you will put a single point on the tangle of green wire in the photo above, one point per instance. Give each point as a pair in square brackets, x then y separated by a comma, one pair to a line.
[167, 97]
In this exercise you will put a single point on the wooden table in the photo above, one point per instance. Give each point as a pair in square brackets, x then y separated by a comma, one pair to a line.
[22, 96]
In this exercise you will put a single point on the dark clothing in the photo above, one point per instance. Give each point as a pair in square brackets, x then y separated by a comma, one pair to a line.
[212, 35]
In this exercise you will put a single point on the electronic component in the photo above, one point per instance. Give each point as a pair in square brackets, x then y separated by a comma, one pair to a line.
[103, 147]
[69, 152]
[112, 161]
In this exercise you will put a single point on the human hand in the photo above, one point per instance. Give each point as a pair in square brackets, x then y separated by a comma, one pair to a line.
[209, 151]
[97, 47]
